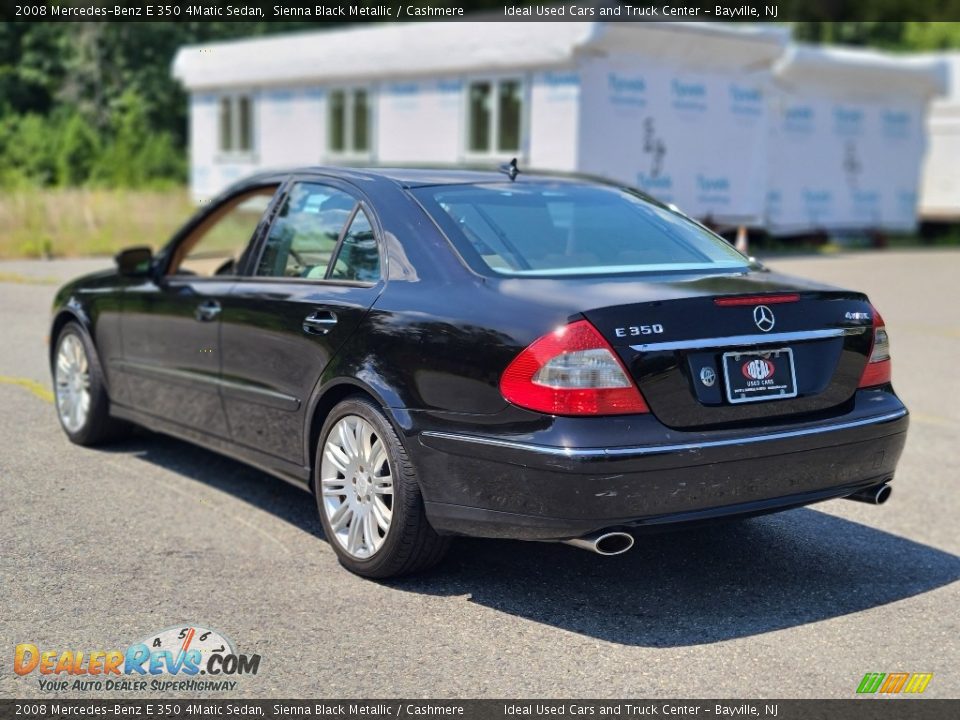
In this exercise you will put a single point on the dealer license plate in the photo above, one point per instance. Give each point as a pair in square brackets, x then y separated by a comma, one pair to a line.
[753, 376]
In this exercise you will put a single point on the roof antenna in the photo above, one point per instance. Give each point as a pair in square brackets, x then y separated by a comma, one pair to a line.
[510, 169]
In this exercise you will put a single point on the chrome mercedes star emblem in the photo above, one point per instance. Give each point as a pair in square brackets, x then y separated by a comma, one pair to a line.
[763, 317]
[708, 377]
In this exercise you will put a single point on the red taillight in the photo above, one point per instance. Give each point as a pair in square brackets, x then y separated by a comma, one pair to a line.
[571, 371]
[877, 371]
[756, 300]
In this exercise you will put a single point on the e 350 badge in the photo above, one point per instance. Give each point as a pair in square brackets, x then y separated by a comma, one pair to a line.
[186, 650]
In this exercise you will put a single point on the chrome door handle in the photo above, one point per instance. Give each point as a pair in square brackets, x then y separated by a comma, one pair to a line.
[319, 322]
[207, 310]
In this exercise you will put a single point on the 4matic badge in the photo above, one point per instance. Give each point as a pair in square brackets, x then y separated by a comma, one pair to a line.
[189, 650]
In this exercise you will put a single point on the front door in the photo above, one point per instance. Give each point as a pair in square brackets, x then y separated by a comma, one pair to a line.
[171, 322]
[316, 277]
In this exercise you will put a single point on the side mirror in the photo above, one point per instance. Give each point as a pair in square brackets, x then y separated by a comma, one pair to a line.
[134, 261]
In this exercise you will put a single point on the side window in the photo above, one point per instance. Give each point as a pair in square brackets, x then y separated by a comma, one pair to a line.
[358, 258]
[304, 234]
[215, 246]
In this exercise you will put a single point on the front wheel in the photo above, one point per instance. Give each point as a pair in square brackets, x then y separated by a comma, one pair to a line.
[368, 496]
[80, 390]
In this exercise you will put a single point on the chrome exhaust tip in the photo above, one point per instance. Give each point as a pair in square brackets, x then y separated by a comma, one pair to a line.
[876, 495]
[603, 543]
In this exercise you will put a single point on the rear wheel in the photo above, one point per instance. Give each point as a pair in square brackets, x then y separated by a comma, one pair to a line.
[80, 391]
[368, 496]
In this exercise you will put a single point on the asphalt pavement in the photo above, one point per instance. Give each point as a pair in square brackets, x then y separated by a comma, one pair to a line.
[99, 548]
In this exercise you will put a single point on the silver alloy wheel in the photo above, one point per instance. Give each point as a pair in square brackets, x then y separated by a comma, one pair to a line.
[72, 378]
[357, 486]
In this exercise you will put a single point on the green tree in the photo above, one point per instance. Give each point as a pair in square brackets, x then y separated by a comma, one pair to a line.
[129, 133]
[932, 35]
[78, 151]
[30, 154]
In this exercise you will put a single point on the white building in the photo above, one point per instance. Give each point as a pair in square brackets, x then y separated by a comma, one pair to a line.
[690, 112]
[940, 187]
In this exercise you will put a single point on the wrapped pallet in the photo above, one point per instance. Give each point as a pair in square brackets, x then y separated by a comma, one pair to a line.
[847, 140]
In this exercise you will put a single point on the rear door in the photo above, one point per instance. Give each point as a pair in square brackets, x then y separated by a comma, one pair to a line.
[707, 361]
[317, 273]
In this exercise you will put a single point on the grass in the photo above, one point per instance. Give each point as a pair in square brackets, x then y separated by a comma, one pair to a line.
[83, 222]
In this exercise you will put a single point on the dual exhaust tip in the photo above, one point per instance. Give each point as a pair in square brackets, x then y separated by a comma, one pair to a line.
[876, 495]
[614, 542]
[604, 543]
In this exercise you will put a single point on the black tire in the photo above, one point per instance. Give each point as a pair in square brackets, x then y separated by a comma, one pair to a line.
[99, 427]
[410, 545]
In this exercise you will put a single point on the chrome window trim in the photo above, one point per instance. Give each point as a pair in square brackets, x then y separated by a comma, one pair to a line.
[735, 340]
[660, 449]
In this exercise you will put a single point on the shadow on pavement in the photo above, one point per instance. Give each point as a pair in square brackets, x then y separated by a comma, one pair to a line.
[676, 589]
[244, 482]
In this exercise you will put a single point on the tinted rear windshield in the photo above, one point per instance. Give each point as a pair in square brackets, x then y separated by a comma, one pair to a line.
[533, 229]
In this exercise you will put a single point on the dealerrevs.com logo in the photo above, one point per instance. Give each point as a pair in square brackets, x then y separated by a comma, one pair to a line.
[170, 660]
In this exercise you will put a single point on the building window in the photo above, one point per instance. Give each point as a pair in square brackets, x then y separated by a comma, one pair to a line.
[236, 124]
[349, 122]
[481, 114]
[495, 116]
[511, 113]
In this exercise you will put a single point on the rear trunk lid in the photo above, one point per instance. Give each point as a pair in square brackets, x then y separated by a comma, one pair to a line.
[742, 354]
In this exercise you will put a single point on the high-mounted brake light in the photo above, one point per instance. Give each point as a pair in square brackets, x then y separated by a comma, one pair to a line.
[571, 371]
[877, 371]
[756, 300]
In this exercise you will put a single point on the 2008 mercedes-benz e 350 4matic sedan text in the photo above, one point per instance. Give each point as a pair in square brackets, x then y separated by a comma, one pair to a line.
[440, 353]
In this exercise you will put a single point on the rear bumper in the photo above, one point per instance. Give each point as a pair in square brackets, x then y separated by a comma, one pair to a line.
[501, 486]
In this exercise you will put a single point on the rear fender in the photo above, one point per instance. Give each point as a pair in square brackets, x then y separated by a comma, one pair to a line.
[339, 381]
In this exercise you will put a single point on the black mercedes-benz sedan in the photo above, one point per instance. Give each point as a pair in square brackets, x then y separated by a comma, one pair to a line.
[436, 353]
